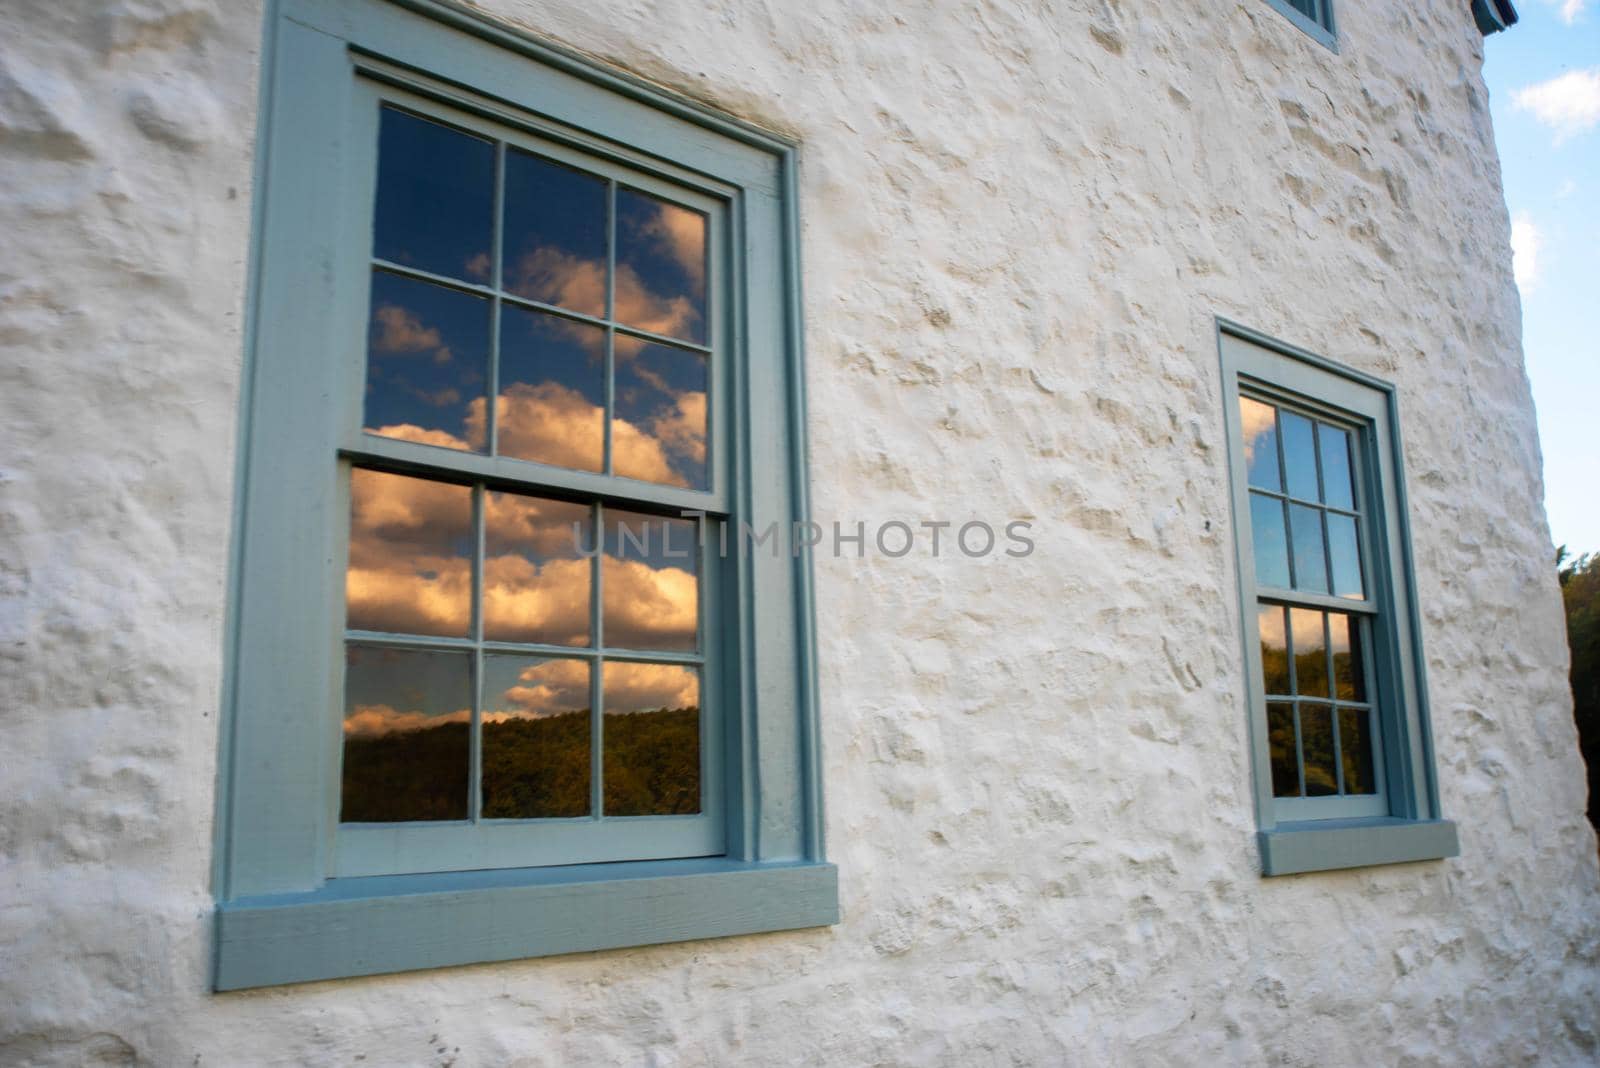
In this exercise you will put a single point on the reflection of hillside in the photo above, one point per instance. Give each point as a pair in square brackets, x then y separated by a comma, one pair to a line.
[531, 768]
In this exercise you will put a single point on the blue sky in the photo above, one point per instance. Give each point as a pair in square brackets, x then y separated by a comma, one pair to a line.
[1544, 93]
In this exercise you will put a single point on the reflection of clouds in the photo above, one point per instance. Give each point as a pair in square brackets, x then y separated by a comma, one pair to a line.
[681, 235]
[406, 576]
[549, 688]
[553, 276]
[1271, 623]
[682, 428]
[372, 721]
[1258, 424]
[401, 332]
[631, 687]
[648, 608]
[1306, 626]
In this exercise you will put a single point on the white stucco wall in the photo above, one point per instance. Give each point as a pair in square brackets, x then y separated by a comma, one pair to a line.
[1020, 219]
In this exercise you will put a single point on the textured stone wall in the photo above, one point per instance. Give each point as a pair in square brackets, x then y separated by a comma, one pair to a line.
[1020, 220]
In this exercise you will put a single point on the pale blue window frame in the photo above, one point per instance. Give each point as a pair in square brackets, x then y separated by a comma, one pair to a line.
[1319, 24]
[294, 902]
[1403, 823]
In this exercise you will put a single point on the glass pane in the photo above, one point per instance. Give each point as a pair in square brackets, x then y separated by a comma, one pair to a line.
[659, 431]
[1310, 653]
[555, 235]
[552, 403]
[650, 582]
[435, 203]
[1316, 747]
[536, 578]
[411, 545]
[1299, 455]
[1274, 650]
[1310, 563]
[427, 363]
[1349, 675]
[1259, 424]
[1268, 541]
[1355, 751]
[652, 739]
[536, 734]
[1280, 740]
[407, 735]
[1345, 554]
[1336, 485]
[661, 266]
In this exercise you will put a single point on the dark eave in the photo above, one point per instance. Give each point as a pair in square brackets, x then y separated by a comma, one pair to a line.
[1493, 15]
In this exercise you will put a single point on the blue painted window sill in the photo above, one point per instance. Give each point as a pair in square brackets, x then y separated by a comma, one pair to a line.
[371, 926]
[1329, 845]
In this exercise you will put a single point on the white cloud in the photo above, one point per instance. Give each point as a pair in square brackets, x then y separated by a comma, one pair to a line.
[1526, 241]
[1568, 188]
[1571, 9]
[1568, 104]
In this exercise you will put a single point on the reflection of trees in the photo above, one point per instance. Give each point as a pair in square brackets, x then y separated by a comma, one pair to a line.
[406, 775]
[532, 768]
[652, 765]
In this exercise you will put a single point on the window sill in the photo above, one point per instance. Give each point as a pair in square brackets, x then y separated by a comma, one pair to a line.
[371, 926]
[1328, 845]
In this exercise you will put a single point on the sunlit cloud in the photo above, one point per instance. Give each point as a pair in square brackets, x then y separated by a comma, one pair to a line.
[646, 607]
[548, 688]
[1569, 104]
[681, 234]
[682, 428]
[401, 332]
[1526, 242]
[1259, 421]
[632, 687]
[371, 721]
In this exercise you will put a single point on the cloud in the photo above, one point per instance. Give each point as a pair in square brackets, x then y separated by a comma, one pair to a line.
[631, 687]
[400, 332]
[681, 234]
[410, 570]
[682, 428]
[1568, 187]
[1259, 420]
[1526, 241]
[1568, 104]
[371, 721]
[548, 688]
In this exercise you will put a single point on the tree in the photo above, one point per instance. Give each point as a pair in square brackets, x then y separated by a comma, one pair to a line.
[1580, 595]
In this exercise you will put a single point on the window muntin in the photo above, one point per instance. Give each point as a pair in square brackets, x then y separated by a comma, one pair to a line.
[581, 302]
[1322, 723]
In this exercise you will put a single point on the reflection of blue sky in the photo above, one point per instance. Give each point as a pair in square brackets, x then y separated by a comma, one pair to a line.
[551, 207]
[1310, 564]
[1269, 541]
[664, 245]
[1299, 455]
[435, 200]
[649, 387]
[1335, 446]
[404, 689]
[427, 355]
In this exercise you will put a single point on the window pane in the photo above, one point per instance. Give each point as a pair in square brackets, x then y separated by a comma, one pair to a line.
[661, 266]
[1310, 563]
[407, 726]
[1280, 741]
[1259, 423]
[1349, 675]
[536, 735]
[1316, 747]
[427, 363]
[652, 739]
[555, 235]
[1268, 541]
[1310, 652]
[435, 201]
[411, 546]
[1345, 555]
[1336, 484]
[536, 578]
[1274, 650]
[1355, 742]
[650, 582]
[659, 431]
[552, 403]
[1299, 455]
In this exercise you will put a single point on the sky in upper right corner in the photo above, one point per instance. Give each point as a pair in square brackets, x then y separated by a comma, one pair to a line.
[1544, 93]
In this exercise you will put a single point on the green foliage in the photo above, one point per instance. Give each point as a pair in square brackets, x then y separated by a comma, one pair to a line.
[532, 768]
[1580, 594]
